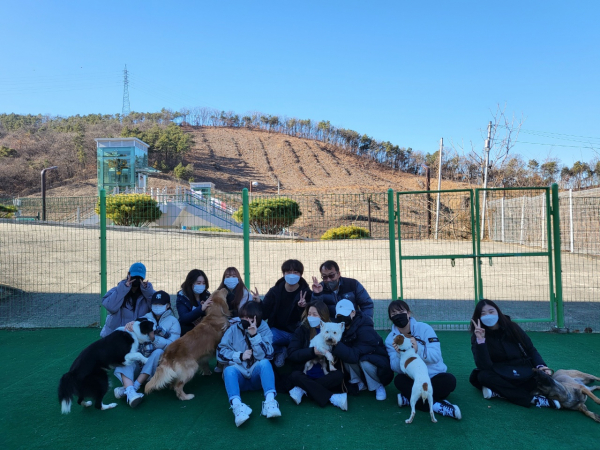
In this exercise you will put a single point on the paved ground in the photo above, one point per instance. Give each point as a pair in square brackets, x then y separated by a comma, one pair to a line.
[53, 272]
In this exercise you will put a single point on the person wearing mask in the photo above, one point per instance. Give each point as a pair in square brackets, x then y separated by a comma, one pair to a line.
[505, 358]
[334, 288]
[321, 388]
[362, 351]
[246, 350]
[237, 293]
[427, 345]
[127, 301]
[166, 330]
[192, 300]
[283, 306]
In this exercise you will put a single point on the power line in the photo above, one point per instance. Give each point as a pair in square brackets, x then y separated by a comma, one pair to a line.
[555, 145]
[552, 134]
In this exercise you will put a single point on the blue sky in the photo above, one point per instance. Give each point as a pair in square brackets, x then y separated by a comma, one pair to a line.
[407, 72]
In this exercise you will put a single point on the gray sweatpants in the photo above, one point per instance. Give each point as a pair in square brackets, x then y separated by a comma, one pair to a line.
[363, 371]
[134, 370]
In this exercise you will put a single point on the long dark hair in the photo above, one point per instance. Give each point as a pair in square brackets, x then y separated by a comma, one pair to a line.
[239, 293]
[397, 305]
[323, 311]
[187, 286]
[504, 321]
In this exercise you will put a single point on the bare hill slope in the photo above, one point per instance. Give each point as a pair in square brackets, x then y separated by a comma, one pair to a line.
[232, 158]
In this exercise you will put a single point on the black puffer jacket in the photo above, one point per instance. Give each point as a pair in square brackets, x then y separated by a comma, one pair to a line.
[284, 315]
[361, 342]
[501, 348]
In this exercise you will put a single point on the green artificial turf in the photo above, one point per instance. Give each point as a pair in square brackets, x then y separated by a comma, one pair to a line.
[33, 362]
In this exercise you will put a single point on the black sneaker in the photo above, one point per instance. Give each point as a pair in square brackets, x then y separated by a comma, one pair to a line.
[445, 408]
[542, 402]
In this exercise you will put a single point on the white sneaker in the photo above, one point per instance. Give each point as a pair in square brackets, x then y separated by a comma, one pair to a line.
[542, 402]
[340, 400]
[488, 393]
[134, 398]
[380, 393]
[361, 386]
[445, 408]
[119, 392]
[270, 409]
[242, 413]
[296, 393]
[403, 401]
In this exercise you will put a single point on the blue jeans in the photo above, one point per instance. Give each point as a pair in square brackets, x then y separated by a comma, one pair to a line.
[281, 339]
[262, 376]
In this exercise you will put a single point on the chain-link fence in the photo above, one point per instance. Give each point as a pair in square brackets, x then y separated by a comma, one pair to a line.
[50, 271]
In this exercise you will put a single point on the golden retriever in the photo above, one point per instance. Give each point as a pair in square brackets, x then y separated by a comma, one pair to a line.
[183, 357]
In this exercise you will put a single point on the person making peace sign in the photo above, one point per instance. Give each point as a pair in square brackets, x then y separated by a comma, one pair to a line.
[283, 306]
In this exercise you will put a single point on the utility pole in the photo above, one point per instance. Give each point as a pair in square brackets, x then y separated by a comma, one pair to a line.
[485, 175]
[44, 190]
[125, 111]
[437, 212]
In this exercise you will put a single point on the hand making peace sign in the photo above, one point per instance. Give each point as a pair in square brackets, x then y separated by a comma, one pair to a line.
[479, 332]
[317, 288]
[255, 296]
[302, 301]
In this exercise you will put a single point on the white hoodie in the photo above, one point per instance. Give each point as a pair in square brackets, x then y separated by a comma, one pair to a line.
[428, 348]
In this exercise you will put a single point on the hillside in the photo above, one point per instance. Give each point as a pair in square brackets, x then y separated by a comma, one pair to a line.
[232, 158]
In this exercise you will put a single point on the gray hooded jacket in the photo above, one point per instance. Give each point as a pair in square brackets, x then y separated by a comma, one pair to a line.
[233, 345]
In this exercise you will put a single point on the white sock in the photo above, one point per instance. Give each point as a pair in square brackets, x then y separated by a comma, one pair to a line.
[136, 385]
[129, 390]
[270, 396]
[236, 401]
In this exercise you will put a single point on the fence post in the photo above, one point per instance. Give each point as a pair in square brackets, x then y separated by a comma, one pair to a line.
[392, 239]
[571, 234]
[103, 268]
[245, 206]
[560, 313]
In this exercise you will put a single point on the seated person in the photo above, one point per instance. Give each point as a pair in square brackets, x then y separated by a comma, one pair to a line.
[427, 345]
[362, 351]
[237, 293]
[283, 306]
[192, 300]
[127, 301]
[166, 330]
[245, 351]
[505, 356]
[322, 388]
[334, 288]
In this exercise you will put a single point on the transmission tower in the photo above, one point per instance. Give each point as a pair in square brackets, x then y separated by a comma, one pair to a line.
[125, 111]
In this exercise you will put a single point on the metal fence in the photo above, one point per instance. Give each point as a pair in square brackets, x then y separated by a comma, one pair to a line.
[51, 273]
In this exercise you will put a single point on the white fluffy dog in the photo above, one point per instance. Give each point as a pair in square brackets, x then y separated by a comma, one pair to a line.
[415, 368]
[330, 335]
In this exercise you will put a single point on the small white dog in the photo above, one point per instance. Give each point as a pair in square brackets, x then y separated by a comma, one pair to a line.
[330, 335]
[415, 368]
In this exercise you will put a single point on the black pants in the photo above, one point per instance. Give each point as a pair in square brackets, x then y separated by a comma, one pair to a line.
[319, 389]
[515, 391]
[442, 383]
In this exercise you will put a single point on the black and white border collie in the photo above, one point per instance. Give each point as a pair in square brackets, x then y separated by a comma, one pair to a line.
[87, 376]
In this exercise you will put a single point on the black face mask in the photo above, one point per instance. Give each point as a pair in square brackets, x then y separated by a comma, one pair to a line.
[346, 320]
[245, 324]
[400, 320]
[136, 282]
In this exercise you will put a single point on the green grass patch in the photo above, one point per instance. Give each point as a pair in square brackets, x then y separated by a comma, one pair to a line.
[30, 418]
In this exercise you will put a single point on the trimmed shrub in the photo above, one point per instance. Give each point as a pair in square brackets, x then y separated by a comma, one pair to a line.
[7, 211]
[346, 232]
[270, 215]
[136, 210]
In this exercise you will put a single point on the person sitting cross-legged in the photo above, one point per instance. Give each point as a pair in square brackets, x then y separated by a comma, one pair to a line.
[245, 351]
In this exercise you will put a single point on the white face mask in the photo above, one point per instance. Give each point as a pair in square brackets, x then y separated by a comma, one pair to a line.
[231, 282]
[159, 309]
[292, 278]
[489, 320]
[199, 288]
[314, 321]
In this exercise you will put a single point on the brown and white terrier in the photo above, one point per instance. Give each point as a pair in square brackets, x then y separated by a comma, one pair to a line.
[415, 368]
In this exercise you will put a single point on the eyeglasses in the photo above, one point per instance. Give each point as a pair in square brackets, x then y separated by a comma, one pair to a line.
[329, 276]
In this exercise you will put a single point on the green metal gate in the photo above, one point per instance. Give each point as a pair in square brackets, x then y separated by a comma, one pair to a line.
[459, 246]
